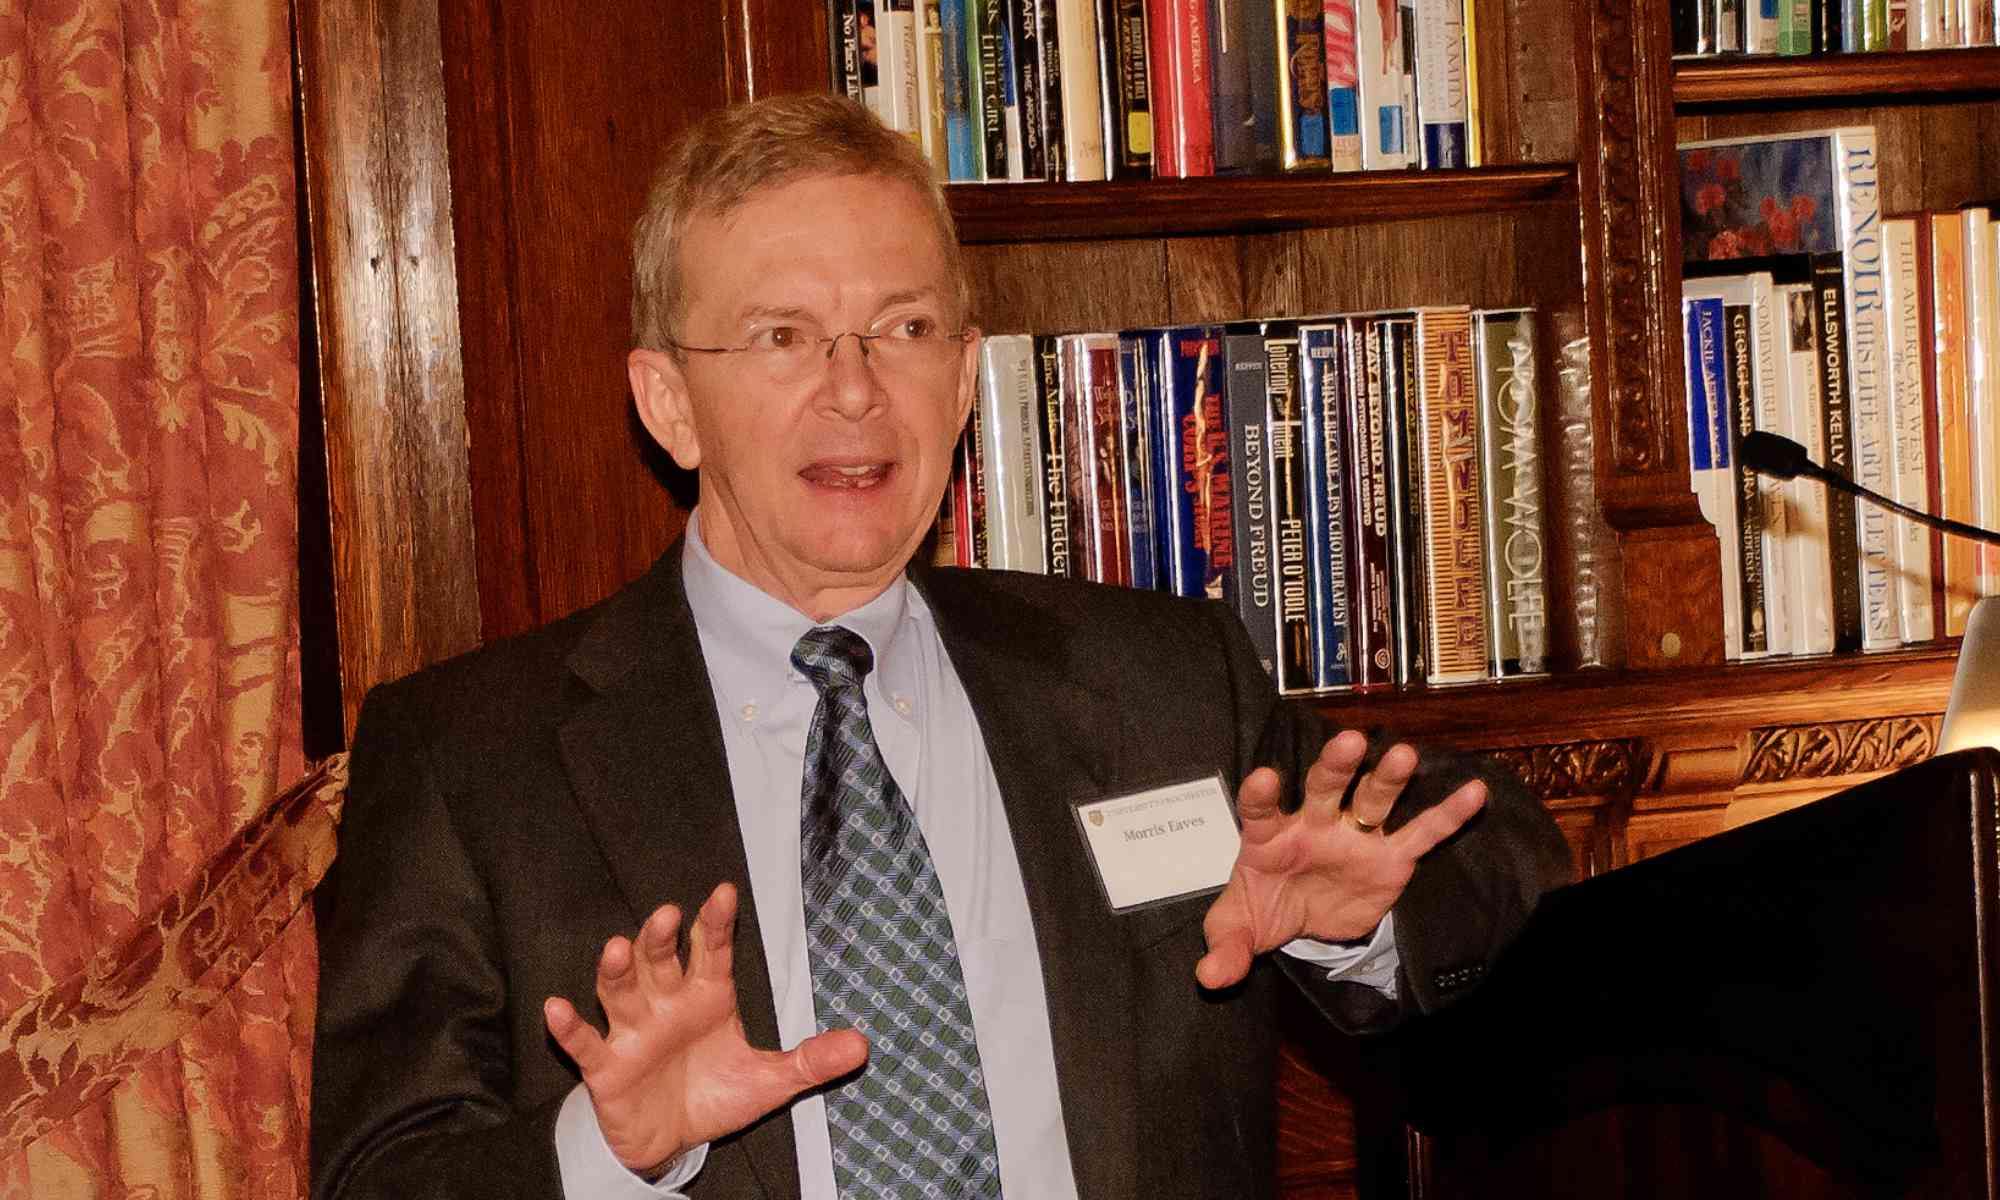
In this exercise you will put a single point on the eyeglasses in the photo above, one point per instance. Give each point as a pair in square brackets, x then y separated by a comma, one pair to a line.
[796, 353]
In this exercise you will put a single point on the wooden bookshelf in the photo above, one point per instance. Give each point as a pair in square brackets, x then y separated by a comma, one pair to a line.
[1611, 704]
[1880, 77]
[994, 213]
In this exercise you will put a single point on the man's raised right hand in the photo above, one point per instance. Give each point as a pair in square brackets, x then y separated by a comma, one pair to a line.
[675, 1070]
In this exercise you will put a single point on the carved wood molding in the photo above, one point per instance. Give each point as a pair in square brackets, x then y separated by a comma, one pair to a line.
[1601, 768]
[1838, 748]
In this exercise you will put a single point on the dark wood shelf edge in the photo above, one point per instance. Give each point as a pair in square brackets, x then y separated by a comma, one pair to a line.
[1026, 212]
[1592, 705]
[1883, 75]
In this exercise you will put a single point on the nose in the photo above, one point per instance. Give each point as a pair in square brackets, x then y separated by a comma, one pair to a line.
[852, 389]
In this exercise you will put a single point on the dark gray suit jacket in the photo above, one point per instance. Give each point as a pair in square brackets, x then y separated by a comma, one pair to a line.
[511, 809]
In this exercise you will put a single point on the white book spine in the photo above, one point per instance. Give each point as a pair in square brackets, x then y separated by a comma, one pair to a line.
[896, 64]
[1855, 182]
[1987, 421]
[1773, 404]
[1442, 102]
[1805, 506]
[1982, 259]
[1908, 464]
[930, 84]
[1380, 54]
[1082, 91]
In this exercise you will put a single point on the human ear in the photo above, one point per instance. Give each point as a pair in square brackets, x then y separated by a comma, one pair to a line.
[968, 374]
[659, 389]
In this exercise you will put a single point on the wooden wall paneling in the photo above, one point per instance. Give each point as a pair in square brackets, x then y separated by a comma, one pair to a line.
[775, 47]
[1062, 287]
[378, 199]
[1397, 264]
[1542, 100]
[1631, 243]
[1952, 176]
[558, 123]
[1233, 278]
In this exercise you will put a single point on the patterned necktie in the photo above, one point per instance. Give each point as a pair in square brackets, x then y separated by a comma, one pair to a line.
[915, 1122]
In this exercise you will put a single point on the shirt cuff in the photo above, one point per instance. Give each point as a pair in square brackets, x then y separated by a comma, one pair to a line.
[590, 1170]
[1372, 962]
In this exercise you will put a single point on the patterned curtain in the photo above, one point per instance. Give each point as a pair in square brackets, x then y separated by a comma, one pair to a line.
[148, 607]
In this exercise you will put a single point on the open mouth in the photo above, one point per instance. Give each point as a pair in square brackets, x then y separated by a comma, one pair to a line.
[848, 476]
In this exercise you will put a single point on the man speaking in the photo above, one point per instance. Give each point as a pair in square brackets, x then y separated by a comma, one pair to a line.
[921, 862]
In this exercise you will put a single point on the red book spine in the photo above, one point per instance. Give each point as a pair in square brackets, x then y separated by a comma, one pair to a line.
[1183, 129]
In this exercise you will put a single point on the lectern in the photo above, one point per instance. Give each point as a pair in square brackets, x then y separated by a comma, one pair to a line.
[1803, 1007]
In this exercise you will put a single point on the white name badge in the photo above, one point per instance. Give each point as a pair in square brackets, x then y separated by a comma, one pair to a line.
[1161, 844]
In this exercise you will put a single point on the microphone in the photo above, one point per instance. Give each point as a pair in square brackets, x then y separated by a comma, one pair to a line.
[1783, 458]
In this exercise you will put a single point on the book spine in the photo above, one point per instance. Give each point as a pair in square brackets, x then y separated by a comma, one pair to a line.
[1982, 298]
[1441, 93]
[1772, 409]
[1510, 494]
[944, 535]
[1380, 54]
[1164, 83]
[1836, 428]
[1250, 495]
[843, 27]
[869, 32]
[1739, 369]
[972, 512]
[1136, 443]
[1708, 442]
[1729, 27]
[930, 86]
[1230, 115]
[1369, 589]
[1189, 44]
[1760, 35]
[1795, 27]
[1002, 460]
[988, 31]
[1454, 570]
[1024, 35]
[1909, 466]
[1121, 37]
[1855, 178]
[1961, 589]
[1285, 431]
[1475, 112]
[1112, 552]
[1343, 84]
[1053, 428]
[1082, 91]
[1202, 476]
[1928, 327]
[895, 64]
[1323, 383]
[1080, 459]
[1262, 26]
[964, 146]
[1806, 499]
[1300, 61]
[1048, 43]
[1405, 465]
[1898, 25]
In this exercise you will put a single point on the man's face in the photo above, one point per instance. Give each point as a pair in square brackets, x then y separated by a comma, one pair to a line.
[817, 482]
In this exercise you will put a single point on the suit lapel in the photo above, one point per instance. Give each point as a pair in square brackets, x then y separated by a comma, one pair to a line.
[646, 761]
[1053, 741]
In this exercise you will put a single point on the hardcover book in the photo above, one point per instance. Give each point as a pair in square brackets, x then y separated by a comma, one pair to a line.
[1837, 429]
[963, 137]
[1343, 84]
[1515, 553]
[1128, 107]
[1178, 66]
[1371, 593]
[1442, 98]
[1025, 39]
[1909, 462]
[1082, 91]
[1052, 426]
[1300, 61]
[1135, 444]
[1961, 576]
[1010, 447]
[1453, 549]
[1284, 417]
[1255, 590]
[1323, 382]
[1093, 412]
[1197, 543]
[1708, 454]
[1388, 92]
[1806, 528]
[1403, 456]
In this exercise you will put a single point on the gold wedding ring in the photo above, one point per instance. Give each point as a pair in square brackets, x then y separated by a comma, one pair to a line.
[1363, 826]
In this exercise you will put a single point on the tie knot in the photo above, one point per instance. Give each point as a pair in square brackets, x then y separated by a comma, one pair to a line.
[833, 657]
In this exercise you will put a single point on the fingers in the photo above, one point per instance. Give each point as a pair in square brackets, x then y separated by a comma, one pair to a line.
[1376, 794]
[1257, 800]
[583, 1044]
[825, 1057]
[712, 944]
[1437, 823]
[1230, 943]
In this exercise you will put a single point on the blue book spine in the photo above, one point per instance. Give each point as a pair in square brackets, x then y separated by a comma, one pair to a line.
[1322, 379]
[961, 159]
[1701, 367]
[1171, 537]
[1137, 438]
[1200, 528]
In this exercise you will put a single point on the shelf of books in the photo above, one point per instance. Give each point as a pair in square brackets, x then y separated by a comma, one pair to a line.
[1594, 704]
[1884, 75]
[1021, 212]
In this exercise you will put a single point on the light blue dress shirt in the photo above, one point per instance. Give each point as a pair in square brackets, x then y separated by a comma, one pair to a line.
[931, 741]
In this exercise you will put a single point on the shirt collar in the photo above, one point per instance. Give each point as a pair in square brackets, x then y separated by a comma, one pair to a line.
[747, 634]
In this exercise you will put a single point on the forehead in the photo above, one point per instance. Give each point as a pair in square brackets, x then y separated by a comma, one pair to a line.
[816, 242]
